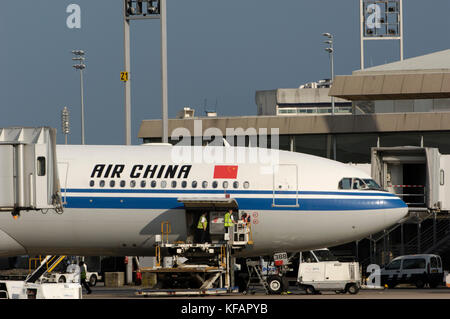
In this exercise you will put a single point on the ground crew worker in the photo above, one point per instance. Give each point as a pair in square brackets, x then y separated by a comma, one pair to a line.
[83, 271]
[246, 220]
[229, 223]
[201, 228]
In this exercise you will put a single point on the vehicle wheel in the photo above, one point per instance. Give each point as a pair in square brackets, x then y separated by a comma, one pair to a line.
[391, 285]
[420, 283]
[62, 279]
[353, 289]
[93, 280]
[275, 285]
[433, 285]
[310, 290]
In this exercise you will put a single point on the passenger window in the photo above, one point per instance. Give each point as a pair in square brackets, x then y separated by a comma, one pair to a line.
[205, 184]
[394, 265]
[439, 262]
[41, 166]
[214, 184]
[143, 184]
[163, 184]
[307, 257]
[441, 177]
[246, 184]
[194, 184]
[225, 184]
[236, 184]
[174, 184]
[133, 183]
[183, 184]
[92, 183]
[102, 183]
[122, 183]
[433, 262]
[112, 183]
[345, 183]
[416, 263]
[153, 184]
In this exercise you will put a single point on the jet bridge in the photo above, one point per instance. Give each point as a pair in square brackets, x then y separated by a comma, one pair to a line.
[412, 173]
[28, 169]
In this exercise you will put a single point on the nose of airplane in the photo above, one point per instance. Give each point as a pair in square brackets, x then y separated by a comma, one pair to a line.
[397, 211]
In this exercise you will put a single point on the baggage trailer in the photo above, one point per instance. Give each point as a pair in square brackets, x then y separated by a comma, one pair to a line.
[196, 268]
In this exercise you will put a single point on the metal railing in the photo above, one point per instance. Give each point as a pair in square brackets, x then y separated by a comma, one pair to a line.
[422, 196]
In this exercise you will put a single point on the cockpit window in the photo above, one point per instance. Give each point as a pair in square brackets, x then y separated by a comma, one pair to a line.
[357, 183]
[372, 184]
[345, 183]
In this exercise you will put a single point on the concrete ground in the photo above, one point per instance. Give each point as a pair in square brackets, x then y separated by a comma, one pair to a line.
[400, 292]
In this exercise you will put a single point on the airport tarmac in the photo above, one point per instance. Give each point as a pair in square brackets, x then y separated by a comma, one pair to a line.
[403, 292]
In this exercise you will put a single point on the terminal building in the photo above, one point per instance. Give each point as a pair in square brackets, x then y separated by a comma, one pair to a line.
[405, 103]
[310, 98]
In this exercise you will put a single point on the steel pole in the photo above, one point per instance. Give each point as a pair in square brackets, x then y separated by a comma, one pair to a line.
[361, 17]
[127, 84]
[82, 106]
[401, 31]
[163, 18]
[332, 72]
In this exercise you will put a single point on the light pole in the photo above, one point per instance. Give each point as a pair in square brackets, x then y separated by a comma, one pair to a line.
[65, 122]
[330, 50]
[79, 56]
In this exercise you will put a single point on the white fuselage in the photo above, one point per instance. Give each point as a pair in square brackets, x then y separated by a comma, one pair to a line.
[295, 203]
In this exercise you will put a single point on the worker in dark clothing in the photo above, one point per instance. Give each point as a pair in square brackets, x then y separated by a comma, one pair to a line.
[201, 228]
[246, 219]
[83, 271]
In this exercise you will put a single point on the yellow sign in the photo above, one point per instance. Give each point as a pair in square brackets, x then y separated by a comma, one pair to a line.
[124, 76]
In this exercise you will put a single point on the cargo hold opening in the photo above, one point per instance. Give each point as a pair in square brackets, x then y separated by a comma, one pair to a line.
[215, 209]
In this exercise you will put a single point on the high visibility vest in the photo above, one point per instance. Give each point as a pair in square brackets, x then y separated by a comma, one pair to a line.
[202, 221]
[227, 221]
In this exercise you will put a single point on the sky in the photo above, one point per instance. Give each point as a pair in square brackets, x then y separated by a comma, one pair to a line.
[219, 54]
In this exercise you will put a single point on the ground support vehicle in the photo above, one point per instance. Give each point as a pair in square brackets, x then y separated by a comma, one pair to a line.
[419, 270]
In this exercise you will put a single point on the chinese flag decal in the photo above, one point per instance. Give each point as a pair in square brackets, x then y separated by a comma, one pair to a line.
[225, 171]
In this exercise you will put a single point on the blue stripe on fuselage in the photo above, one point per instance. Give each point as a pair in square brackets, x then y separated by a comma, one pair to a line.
[309, 204]
[221, 191]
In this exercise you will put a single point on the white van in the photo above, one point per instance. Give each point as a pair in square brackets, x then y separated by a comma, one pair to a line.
[413, 269]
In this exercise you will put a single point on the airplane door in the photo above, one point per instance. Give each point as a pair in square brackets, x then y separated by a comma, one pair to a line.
[285, 185]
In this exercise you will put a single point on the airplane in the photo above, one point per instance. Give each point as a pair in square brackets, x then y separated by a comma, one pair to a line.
[116, 197]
